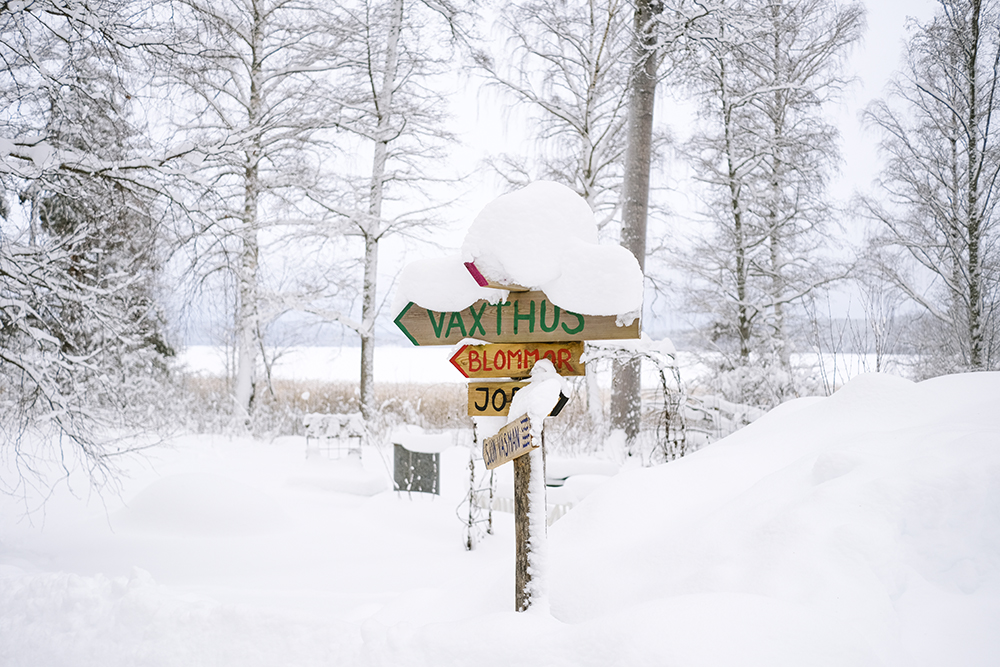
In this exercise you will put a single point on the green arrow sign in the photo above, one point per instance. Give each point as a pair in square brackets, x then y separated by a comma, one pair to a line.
[526, 317]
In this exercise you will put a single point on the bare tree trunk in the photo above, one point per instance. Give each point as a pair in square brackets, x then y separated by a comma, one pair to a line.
[373, 227]
[248, 312]
[743, 318]
[975, 171]
[774, 220]
[368, 309]
[247, 327]
[625, 400]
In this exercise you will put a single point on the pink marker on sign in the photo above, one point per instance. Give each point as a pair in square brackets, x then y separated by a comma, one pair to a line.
[480, 279]
[483, 281]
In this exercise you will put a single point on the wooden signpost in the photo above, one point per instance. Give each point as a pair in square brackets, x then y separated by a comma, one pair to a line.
[526, 317]
[493, 399]
[520, 331]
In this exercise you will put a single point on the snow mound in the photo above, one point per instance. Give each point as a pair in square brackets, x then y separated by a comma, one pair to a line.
[202, 503]
[544, 237]
[125, 621]
[856, 530]
[859, 529]
[348, 477]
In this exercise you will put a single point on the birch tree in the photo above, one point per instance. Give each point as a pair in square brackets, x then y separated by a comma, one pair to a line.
[256, 95]
[659, 30]
[936, 233]
[764, 154]
[393, 113]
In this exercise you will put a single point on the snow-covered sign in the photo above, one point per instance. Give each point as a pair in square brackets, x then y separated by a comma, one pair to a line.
[511, 441]
[525, 317]
[494, 399]
[531, 271]
[544, 238]
[514, 361]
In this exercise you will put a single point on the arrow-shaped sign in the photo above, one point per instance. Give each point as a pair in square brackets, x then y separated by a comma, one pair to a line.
[526, 317]
[511, 441]
[515, 360]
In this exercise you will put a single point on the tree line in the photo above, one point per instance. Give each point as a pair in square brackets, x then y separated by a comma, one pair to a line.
[262, 150]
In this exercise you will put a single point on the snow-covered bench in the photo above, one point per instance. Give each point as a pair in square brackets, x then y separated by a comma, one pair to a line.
[334, 435]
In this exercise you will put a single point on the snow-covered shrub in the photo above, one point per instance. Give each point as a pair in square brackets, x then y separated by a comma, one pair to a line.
[82, 358]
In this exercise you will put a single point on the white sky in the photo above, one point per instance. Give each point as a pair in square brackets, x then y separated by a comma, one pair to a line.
[486, 128]
[876, 59]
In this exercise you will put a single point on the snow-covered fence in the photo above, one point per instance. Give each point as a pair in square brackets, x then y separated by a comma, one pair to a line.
[334, 435]
[553, 511]
[670, 429]
[711, 418]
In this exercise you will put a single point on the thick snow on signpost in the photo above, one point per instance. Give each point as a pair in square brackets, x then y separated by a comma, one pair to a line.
[541, 238]
[537, 400]
[440, 283]
[544, 237]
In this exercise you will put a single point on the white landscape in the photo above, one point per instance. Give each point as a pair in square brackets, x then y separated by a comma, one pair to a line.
[858, 529]
[232, 172]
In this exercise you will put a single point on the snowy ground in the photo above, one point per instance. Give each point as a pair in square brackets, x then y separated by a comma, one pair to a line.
[860, 529]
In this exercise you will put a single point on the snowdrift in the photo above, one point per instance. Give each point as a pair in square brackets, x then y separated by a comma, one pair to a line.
[859, 529]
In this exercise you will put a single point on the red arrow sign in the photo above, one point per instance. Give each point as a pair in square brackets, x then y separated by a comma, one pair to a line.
[515, 360]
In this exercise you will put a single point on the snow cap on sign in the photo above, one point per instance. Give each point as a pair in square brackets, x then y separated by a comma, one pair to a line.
[540, 395]
[544, 237]
[441, 283]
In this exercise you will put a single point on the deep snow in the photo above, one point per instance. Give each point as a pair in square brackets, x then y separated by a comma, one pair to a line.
[859, 529]
[541, 237]
[544, 236]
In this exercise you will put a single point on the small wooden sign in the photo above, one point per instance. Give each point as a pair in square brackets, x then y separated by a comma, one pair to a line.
[510, 442]
[492, 399]
[515, 360]
[525, 317]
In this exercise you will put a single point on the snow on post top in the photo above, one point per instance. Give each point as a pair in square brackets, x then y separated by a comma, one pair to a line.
[544, 237]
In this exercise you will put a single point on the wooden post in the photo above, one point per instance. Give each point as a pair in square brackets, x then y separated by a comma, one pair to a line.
[522, 531]
[523, 516]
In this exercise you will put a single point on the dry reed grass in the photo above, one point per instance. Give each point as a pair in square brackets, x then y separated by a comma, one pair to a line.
[279, 408]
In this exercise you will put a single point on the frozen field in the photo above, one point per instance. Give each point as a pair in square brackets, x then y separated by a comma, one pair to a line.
[392, 364]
